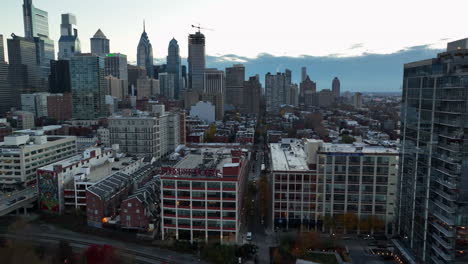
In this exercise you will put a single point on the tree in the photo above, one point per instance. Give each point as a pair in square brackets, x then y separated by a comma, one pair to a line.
[321, 131]
[313, 120]
[307, 240]
[210, 133]
[329, 222]
[377, 224]
[265, 194]
[277, 258]
[347, 139]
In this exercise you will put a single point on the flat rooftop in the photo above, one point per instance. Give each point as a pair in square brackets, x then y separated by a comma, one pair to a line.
[99, 172]
[290, 158]
[357, 148]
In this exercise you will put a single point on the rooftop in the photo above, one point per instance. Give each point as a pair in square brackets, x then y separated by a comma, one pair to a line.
[288, 157]
[357, 147]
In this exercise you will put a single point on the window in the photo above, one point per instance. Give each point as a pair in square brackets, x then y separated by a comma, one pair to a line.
[137, 211]
[128, 218]
[95, 212]
[129, 204]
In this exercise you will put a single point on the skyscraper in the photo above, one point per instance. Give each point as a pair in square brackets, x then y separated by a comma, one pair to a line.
[99, 44]
[69, 43]
[36, 28]
[235, 77]
[88, 86]
[275, 90]
[432, 220]
[5, 88]
[167, 85]
[116, 65]
[174, 67]
[24, 72]
[59, 78]
[252, 94]
[215, 90]
[196, 61]
[145, 53]
[336, 87]
[307, 88]
[303, 74]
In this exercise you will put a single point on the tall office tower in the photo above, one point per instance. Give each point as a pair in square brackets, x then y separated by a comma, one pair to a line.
[24, 72]
[235, 77]
[116, 87]
[432, 218]
[69, 43]
[157, 69]
[100, 44]
[215, 90]
[88, 86]
[36, 28]
[35, 103]
[59, 78]
[303, 74]
[336, 87]
[275, 91]
[145, 53]
[135, 72]
[116, 65]
[147, 87]
[288, 76]
[174, 67]
[6, 92]
[196, 61]
[252, 95]
[167, 84]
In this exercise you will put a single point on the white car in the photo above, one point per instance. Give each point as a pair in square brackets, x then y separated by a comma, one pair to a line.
[248, 237]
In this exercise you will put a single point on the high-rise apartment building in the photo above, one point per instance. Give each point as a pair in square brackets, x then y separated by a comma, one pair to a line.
[59, 78]
[99, 44]
[252, 95]
[433, 189]
[235, 77]
[306, 88]
[145, 53]
[6, 92]
[147, 87]
[196, 61]
[174, 67]
[135, 72]
[357, 100]
[35, 103]
[59, 106]
[167, 84]
[292, 95]
[116, 65]
[116, 87]
[275, 91]
[69, 43]
[215, 90]
[336, 87]
[36, 28]
[88, 87]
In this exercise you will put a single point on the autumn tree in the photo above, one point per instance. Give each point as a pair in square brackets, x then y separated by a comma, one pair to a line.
[350, 222]
[210, 133]
[307, 240]
[265, 194]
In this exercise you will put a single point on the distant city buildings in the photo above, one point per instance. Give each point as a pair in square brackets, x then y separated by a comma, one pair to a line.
[88, 86]
[357, 100]
[336, 87]
[145, 54]
[116, 65]
[235, 77]
[59, 78]
[196, 61]
[276, 90]
[303, 74]
[252, 93]
[6, 92]
[215, 90]
[69, 43]
[174, 67]
[100, 44]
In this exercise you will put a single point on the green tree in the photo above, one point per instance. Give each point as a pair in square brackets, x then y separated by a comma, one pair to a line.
[210, 133]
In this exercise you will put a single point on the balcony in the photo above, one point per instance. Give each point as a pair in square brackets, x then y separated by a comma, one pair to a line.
[444, 207]
[451, 173]
[441, 253]
[436, 260]
[447, 159]
[442, 242]
[450, 147]
[449, 197]
[446, 183]
[441, 229]
[444, 219]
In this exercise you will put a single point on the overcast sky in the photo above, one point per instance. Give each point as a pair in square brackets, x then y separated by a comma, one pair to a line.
[251, 27]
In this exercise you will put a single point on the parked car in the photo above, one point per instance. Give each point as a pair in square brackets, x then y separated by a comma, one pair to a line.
[11, 202]
[248, 237]
[21, 198]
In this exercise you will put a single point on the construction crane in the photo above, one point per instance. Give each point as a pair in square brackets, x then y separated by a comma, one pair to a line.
[199, 28]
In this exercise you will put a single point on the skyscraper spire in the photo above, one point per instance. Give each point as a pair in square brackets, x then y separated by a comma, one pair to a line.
[144, 26]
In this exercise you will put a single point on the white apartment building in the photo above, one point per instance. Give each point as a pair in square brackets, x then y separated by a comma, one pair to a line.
[22, 153]
[316, 182]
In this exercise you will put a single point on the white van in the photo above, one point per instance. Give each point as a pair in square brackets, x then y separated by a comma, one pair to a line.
[249, 236]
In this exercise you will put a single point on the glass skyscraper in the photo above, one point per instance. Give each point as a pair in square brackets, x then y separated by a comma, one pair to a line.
[100, 44]
[88, 86]
[174, 67]
[433, 189]
[5, 89]
[69, 43]
[145, 53]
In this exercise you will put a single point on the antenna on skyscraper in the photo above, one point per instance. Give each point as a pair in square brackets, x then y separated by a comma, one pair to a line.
[144, 26]
[199, 28]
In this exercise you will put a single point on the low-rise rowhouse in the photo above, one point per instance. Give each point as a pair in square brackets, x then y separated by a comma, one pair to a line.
[318, 185]
[202, 195]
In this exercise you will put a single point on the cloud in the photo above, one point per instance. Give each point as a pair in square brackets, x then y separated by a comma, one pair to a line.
[356, 46]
